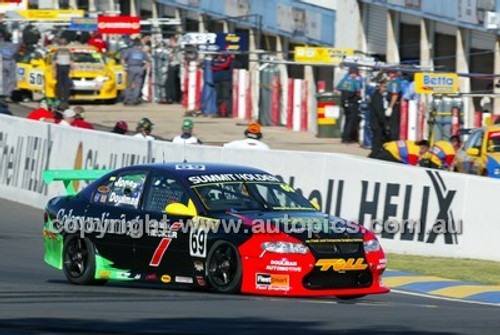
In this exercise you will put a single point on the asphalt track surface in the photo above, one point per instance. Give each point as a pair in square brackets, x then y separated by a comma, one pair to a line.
[35, 298]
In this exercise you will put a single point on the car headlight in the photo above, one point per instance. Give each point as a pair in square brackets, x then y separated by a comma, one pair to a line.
[285, 247]
[371, 246]
[102, 79]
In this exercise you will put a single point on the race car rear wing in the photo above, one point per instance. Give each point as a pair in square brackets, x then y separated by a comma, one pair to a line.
[68, 177]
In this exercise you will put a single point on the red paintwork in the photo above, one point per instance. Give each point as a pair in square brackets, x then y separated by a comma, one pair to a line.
[255, 261]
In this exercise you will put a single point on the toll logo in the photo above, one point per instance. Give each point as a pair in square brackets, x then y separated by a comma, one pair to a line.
[342, 265]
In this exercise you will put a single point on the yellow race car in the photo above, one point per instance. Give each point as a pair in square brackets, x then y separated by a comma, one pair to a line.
[480, 154]
[94, 76]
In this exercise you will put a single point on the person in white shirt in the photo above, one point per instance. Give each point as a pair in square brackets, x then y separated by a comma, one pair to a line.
[144, 128]
[68, 118]
[253, 140]
[187, 134]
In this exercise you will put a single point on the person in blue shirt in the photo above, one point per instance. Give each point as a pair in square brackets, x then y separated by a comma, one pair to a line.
[350, 88]
[395, 92]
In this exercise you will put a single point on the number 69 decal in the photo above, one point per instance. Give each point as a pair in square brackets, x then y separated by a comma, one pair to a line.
[198, 243]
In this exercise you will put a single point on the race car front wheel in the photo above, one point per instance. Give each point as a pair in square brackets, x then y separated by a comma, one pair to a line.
[79, 261]
[224, 271]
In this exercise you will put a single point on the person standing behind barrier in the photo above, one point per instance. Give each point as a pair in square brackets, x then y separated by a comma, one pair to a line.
[253, 140]
[61, 67]
[173, 81]
[144, 129]
[9, 52]
[187, 134]
[378, 122]
[222, 70]
[392, 112]
[406, 152]
[136, 61]
[350, 88]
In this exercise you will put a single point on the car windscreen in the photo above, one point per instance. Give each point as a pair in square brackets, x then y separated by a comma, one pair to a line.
[247, 196]
[88, 57]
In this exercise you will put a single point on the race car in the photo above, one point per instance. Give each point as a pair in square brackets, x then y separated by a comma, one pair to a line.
[226, 228]
[480, 154]
[94, 76]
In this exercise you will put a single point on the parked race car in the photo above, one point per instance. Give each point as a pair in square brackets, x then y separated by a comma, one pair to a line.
[94, 76]
[221, 227]
[480, 154]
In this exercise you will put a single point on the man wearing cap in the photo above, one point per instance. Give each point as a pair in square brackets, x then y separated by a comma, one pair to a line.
[406, 152]
[187, 134]
[144, 128]
[350, 88]
[395, 90]
[253, 140]
[121, 127]
[68, 118]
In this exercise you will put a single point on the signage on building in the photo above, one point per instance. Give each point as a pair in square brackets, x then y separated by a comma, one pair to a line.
[126, 25]
[440, 83]
[321, 55]
[83, 24]
[50, 15]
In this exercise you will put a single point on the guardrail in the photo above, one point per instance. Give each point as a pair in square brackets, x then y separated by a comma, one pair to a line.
[453, 215]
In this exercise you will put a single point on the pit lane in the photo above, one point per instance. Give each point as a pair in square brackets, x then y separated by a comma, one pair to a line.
[35, 298]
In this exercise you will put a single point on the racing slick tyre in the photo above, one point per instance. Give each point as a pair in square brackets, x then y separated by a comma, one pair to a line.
[224, 270]
[350, 297]
[79, 261]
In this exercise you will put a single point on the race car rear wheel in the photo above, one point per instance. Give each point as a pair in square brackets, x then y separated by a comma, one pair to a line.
[79, 261]
[224, 271]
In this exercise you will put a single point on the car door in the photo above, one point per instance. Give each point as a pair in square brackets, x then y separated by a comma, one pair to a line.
[163, 252]
[115, 205]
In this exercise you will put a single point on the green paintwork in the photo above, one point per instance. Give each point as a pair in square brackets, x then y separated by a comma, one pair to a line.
[68, 176]
[53, 246]
[104, 269]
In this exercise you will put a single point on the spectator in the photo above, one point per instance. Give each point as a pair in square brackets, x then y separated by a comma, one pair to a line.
[406, 152]
[61, 66]
[68, 118]
[43, 113]
[378, 122]
[222, 66]
[144, 129]
[80, 119]
[392, 112]
[187, 134]
[350, 88]
[121, 127]
[173, 81]
[9, 52]
[253, 140]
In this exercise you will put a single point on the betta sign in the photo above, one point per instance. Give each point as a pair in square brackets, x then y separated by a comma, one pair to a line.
[127, 25]
[441, 83]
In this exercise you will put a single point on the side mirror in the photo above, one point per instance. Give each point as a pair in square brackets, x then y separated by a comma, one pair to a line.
[178, 209]
[315, 204]
[472, 152]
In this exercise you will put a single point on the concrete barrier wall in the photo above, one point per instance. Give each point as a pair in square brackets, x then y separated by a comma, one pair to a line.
[371, 192]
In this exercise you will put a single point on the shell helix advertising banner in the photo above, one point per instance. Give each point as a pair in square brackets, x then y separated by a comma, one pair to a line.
[436, 83]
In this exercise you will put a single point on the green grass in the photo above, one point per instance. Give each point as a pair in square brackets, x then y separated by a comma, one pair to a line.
[474, 270]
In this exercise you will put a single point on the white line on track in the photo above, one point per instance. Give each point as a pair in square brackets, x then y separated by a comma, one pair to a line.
[424, 295]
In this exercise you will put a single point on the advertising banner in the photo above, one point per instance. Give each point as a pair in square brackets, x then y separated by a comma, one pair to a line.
[441, 83]
[49, 14]
[127, 25]
[321, 55]
[83, 24]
